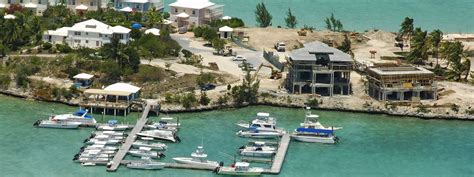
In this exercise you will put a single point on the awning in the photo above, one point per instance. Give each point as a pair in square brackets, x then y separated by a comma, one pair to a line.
[31, 5]
[122, 87]
[83, 76]
[126, 9]
[81, 7]
[106, 92]
[153, 31]
[183, 15]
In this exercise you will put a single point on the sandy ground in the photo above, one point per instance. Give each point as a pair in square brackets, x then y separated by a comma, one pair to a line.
[60, 83]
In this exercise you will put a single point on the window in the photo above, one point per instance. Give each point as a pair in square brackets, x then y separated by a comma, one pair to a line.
[176, 10]
[73, 2]
[77, 41]
[77, 33]
[87, 33]
[106, 35]
[21, 1]
[194, 12]
[9, 1]
[100, 35]
[87, 41]
[96, 43]
[92, 3]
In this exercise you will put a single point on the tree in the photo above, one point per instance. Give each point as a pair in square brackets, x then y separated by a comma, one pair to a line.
[205, 78]
[419, 47]
[290, 19]
[189, 100]
[458, 63]
[218, 44]
[346, 46]
[35, 29]
[406, 28]
[434, 40]
[263, 17]
[333, 24]
[247, 91]
[204, 100]
[153, 17]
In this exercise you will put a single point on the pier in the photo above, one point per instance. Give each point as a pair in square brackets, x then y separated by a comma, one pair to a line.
[116, 161]
[280, 155]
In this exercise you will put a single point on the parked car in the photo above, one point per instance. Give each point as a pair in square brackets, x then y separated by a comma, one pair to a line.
[208, 86]
[239, 58]
[280, 47]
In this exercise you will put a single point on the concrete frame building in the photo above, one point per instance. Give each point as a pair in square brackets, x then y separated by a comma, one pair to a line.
[184, 13]
[401, 84]
[319, 69]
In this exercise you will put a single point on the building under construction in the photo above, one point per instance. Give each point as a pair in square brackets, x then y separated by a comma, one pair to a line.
[319, 69]
[402, 83]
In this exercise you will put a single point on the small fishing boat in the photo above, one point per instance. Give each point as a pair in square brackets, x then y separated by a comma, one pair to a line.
[112, 126]
[145, 152]
[254, 133]
[239, 169]
[110, 133]
[145, 142]
[100, 147]
[92, 159]
[165, 123]
[106, 137]
[88, 164]
[311, 130]
[146, 164]
[106, 142]
[160, 134]
[197, 158]
[57, 124]
[258, 149]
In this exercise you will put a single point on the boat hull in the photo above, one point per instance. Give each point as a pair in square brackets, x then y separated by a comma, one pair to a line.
[188, 160]
[257, 153]
[157, 166]
[231, 171]
[315, 139]
[64, 125]
[249, 134]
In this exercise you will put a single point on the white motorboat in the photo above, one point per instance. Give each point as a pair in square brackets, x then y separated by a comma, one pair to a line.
[57, 124]
[92, 159]
[262, 122]
[152, 145]
[145, 152]
[160, 134]
[110, 133]
[106, 142]
[94, 155]
[197, 158]
[78, 116]
[312, 131]
[88, 164]
[100, 147]
[253, 133]
[239, 169]
[107, 137]
[112, 126]
[147, 164]
[258, 149]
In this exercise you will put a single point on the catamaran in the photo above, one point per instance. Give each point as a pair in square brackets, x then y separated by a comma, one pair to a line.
[197, 158]
[312, 131]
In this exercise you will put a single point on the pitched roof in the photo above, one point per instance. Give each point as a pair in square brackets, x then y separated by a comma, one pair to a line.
[153, 31]
[192, 4]
[83, 76]
[120, 29]
[58, 32]
[310, 49]
[122, 87]
[93, 25]
[225, 29]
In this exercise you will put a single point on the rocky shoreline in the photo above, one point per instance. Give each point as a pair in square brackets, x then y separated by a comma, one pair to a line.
[167, 108]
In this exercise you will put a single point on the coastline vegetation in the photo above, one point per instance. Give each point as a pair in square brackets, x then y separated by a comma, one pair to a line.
[263, 17]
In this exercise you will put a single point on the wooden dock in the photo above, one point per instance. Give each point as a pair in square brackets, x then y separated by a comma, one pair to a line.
[130, 139]
[280, 155]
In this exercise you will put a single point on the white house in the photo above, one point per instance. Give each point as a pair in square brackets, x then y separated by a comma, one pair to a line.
[37, 6]
[185, 13]
[140, 5]
[90, 33]
[225, 32]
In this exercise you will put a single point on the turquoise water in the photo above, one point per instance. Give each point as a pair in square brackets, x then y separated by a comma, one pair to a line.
[447, 15]
[371, 145]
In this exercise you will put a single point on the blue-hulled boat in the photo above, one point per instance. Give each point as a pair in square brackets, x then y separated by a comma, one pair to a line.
[312, 131]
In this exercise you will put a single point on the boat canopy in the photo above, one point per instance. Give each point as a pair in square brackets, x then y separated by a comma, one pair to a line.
[312, 130]
[112, 122]
[263, 114]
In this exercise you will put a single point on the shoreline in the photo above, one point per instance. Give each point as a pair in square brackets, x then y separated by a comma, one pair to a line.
[179, 109]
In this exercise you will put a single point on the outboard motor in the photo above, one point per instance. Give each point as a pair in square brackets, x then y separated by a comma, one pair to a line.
[86, 140]
[37, 123]
[162, 155]
[177, 138]
[242, 147]
[221, 164]
[216, 170]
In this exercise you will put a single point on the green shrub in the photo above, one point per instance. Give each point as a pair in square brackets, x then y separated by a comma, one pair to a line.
[205, 78]
[204, 100]
[47, 46]
[63, 48]
[187, 53]
[313, 102]
[189, 100]
[4, 81]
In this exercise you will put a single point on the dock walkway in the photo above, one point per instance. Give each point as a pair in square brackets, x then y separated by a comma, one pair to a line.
[280, 155]
[130, 139]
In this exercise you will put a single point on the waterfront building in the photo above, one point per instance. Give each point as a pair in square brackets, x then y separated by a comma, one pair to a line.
[401, 84]
[225, 32]
[319, 69]
[117, 97]
[140, 5]
[185, 13]
[90, 33]
[83, 80]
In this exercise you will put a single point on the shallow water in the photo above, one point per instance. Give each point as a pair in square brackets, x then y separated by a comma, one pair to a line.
[371, 145]
[359, 15]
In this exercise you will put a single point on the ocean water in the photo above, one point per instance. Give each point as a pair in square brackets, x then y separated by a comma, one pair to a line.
[371, 145]
[358, 15]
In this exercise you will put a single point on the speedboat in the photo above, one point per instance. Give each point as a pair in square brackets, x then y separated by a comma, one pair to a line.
[165, 123]
[197, 158]
[160, 134]
[106, 142]
[145, 152]
[258, 149]
[146, 163]
[254, 133]
[57, 124]
[262, 122]
[312, 131]
[91, 159]
[99, 147]
[239, 169]
[106, 137]
[153, 145]
[110, 133]
[78, 116]
[112, 126]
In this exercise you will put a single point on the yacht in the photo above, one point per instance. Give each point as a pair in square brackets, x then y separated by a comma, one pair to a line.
[57, 124]
[312, 131]
[165, 123]
[258, 149]
[145, 142]
[78, 116]
[145, 152]
[147, 164]
[261, 119]
[197, 158]
[160, 134]
[254, 133]
[239, 169]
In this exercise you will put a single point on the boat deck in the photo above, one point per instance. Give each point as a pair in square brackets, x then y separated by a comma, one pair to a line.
[116, 161]
[280, 155]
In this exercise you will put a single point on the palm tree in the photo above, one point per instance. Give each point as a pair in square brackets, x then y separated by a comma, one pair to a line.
[434, 39]
[153, 17]
[406, 28]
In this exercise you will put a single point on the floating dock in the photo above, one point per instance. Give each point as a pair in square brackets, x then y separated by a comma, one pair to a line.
[280, 155]
[117, 160]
